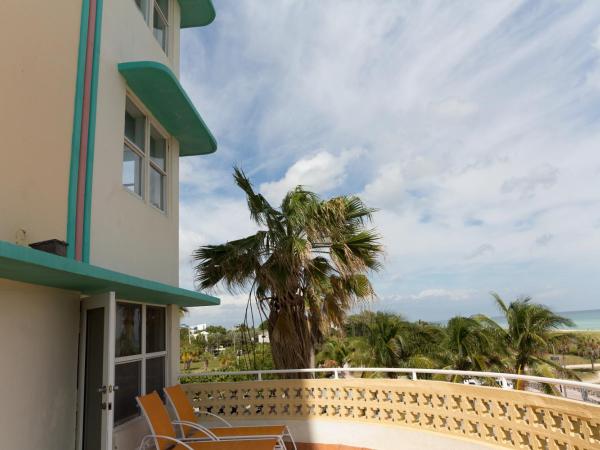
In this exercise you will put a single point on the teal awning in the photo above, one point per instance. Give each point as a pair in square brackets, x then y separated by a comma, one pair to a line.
[196, 13]
[160, 91]
[36, 267]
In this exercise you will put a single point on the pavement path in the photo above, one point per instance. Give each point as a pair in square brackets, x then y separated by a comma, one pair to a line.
[582, 366]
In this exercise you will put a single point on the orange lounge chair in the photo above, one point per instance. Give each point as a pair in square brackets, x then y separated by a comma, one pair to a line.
[164, 436]
[184, 411]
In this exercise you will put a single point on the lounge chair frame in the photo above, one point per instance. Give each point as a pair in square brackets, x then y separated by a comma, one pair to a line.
[210, 436]
[181, 423]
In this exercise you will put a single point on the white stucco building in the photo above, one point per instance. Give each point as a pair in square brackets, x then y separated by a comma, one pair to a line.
[95, 122]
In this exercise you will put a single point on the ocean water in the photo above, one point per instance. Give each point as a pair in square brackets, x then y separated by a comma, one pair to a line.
[584, 320]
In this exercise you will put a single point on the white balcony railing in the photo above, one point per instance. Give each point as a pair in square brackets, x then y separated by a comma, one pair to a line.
[486, 414]
[572, 389]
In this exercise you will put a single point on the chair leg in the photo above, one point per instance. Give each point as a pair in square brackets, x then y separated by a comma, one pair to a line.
[288, 433]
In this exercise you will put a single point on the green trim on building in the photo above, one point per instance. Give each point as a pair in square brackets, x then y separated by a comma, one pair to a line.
[36, 267]
[76, 133]
[87, 209]
[160, 91]
[196, 13]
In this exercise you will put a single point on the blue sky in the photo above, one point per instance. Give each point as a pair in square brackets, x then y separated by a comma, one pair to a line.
[474, 130]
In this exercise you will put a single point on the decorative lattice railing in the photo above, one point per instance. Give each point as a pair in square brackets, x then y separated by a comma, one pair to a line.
[512, 419]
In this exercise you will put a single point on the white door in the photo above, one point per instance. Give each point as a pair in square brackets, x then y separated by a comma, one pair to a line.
[96, 372]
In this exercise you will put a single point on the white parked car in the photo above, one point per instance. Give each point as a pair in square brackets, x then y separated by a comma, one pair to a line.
[501, 382]
[504, 383]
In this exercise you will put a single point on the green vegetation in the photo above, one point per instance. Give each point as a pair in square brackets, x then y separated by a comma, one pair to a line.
[464, 343]
[530, 344]
[589, 347]
[304, 269]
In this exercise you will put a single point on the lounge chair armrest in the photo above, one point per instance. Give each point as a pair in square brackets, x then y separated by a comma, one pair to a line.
[210, 434]
[215, 416]
[168, 438]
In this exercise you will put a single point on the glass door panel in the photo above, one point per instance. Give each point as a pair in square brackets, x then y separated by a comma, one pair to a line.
[96, 373]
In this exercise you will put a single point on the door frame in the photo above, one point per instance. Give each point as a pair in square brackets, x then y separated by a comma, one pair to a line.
[107, 301]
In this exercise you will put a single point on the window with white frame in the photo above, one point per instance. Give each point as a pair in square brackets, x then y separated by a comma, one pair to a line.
[140, 355]
[156, 15]
[145, 153]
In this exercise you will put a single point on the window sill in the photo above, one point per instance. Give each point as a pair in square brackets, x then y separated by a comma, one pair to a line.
[150, 205]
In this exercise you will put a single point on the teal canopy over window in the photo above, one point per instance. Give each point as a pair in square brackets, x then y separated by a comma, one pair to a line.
[196, 13]
[160, 91]
[37, 267]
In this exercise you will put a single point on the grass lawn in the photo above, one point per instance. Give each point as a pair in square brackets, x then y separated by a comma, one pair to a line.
[198, 366]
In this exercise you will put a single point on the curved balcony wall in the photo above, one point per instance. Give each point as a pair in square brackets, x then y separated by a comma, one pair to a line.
[430, 414]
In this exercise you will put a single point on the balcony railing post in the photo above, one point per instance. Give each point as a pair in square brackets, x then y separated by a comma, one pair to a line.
[414, 375]
[335, 374]
[259, 376]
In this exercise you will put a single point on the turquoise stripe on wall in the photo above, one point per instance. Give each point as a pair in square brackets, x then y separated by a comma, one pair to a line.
[92, 135]
[76, 134]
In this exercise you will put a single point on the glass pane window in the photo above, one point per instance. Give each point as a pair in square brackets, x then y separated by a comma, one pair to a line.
[155, 329]
[135, 125]
[128, 379]
[163, 5]
[160, 28]
[128, 329]
[159, 12]
[132, 170]
[157, 188]
[155, 375]
[145, 155]
[141, 355]
[158, 149]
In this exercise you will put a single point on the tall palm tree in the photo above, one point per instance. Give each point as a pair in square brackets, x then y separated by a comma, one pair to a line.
[470, 345]
[305, 268]
[529, 332]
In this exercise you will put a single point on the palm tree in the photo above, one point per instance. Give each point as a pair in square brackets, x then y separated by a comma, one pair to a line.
[425, 340]
[529, 332]
[334, 349]
[304, 269]
[589, 347]
[385, 340]
[470, 345]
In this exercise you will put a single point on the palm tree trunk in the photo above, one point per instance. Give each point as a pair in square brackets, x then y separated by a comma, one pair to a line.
[291, 345]
[520, 383]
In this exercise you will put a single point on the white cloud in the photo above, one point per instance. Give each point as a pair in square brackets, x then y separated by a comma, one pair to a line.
[320, 172]
[481, 115]
[200, 175]
[455, 108]
[596, 42]
[450, 294]
[545, 177]
[229, 312]
[482, 250]
[213, 220]
[544, 239]
[388, 188]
